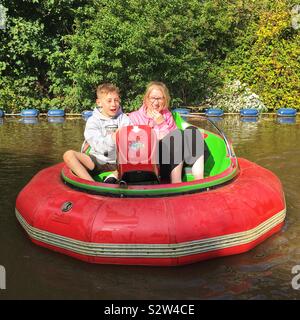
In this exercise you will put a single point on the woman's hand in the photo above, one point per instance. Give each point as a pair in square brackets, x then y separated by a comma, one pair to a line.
[156, 116]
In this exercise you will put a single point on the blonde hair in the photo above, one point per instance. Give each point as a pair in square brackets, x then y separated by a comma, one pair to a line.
[106, 88]
[160, 86]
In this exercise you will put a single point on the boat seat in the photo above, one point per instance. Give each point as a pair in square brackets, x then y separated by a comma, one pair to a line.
[140, 177]
[136, 155]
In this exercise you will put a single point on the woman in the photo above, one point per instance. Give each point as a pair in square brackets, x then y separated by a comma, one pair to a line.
[175, 146]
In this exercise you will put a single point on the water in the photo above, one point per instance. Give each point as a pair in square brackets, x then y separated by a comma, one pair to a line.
[37, 273]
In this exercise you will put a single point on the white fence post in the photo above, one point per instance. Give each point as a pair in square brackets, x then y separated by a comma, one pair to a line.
[2, 17]
[295, 15]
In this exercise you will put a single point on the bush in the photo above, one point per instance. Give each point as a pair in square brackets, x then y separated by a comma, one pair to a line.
[233, 97]
[267, 56]
[32, 60]
[54, 53]
[133, 42]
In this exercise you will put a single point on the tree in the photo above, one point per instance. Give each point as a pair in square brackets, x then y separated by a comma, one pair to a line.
[133, 42]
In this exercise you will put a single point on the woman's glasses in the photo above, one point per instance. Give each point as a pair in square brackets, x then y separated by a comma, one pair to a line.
[153, 99]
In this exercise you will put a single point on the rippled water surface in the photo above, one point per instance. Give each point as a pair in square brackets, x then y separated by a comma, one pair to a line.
[33, 272]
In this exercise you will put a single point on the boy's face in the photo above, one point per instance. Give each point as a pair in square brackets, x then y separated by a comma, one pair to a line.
[110, 103]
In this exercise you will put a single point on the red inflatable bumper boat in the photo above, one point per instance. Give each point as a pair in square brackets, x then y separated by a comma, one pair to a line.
[235, 207]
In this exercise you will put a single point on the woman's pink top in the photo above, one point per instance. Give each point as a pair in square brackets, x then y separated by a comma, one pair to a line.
[140, 117]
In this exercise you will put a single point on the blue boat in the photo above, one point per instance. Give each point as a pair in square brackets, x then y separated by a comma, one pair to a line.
[181, 111]
[214, 112]
[86, 114]
[249, 112]
[56, 113]
[29, 113]
[184, 112]
[286, 112]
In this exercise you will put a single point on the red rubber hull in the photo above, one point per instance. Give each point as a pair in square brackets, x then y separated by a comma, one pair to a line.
[162, 231]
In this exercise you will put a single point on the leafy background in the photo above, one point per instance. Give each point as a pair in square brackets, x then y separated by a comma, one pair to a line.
[226, 54]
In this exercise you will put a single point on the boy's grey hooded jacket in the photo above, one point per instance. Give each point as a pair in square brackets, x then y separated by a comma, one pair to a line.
[97, 134]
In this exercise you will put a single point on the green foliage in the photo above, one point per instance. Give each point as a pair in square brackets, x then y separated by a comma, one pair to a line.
[267, 56]
[32, 58]
[54, 53]
[133, 42]
[23, 55]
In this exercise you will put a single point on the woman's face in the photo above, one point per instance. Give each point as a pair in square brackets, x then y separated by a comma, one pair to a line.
[156, 100]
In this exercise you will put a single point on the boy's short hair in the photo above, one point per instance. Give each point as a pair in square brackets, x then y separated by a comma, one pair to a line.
[106, 88]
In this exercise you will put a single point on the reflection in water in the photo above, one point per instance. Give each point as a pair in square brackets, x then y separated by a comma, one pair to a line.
[262, 273]
[1, 121]
[56, 119]
[286, 120]
[249, 119]
[29, 120]
[215, 119]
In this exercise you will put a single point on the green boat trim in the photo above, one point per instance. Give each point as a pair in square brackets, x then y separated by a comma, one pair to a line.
[160, 191]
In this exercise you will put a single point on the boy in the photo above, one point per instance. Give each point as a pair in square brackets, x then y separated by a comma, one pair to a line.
[100, 133]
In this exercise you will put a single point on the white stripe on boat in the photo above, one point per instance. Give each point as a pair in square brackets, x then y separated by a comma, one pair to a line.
[153, 250]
